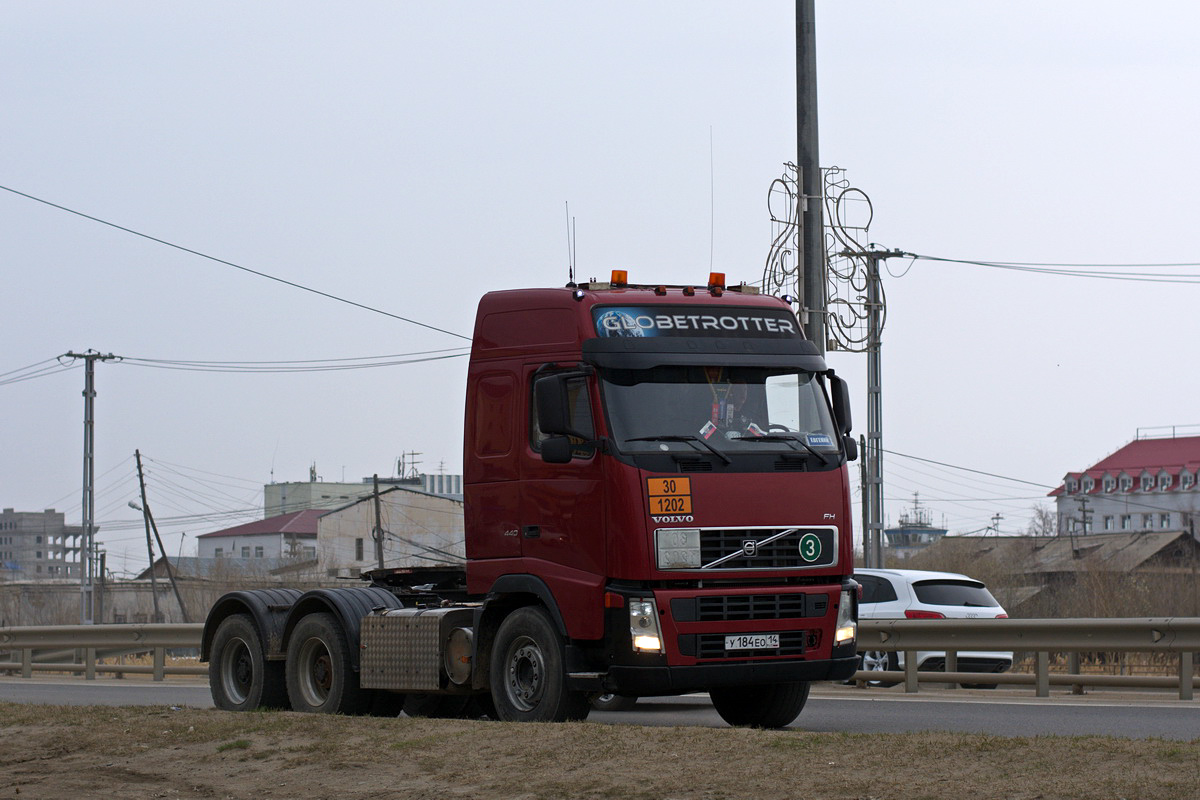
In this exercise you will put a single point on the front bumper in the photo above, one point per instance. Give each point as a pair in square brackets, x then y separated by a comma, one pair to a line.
[644, 681]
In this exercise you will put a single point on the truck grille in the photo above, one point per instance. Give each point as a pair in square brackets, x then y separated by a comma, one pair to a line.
[765, 548]
[749, 606]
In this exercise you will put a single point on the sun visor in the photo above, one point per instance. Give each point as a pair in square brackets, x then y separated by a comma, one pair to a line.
[644, 353]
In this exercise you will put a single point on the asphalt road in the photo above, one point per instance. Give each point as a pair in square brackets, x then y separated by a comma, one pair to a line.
[832, 709]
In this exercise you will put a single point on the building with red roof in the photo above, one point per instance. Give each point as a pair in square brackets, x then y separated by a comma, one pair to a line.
[284, 536]
[1150, 484]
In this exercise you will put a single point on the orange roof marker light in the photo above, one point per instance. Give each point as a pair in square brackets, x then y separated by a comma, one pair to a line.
[716, 283]
[620, 278]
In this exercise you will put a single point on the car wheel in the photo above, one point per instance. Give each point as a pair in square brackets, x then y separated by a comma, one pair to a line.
[878, 661]
[613, 702]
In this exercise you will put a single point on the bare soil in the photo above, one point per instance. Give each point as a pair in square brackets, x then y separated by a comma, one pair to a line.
[91, 751]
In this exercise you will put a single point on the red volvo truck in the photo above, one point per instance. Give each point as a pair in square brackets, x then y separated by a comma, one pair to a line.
[656, 503]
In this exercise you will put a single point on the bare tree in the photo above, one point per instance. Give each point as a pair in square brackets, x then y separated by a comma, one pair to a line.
[1044, 521]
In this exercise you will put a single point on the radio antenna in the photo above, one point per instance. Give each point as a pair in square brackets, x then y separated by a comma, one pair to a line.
[570, 246]
[712, 201]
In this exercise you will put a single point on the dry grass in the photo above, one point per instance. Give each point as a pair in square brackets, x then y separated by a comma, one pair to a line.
[55, 752]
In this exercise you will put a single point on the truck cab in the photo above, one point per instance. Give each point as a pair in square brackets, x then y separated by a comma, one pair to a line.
[665, 468]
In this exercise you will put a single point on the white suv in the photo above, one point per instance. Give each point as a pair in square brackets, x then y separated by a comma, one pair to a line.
[918, 594]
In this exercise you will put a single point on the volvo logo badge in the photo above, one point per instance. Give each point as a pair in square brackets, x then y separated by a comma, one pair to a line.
[749, 548]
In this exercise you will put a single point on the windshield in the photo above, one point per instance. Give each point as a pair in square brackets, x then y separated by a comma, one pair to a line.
[729, 409]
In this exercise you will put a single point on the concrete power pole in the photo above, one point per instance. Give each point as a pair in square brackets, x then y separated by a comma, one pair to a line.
[811, 258]
[377, 532]
[873, 450]
[87, 562]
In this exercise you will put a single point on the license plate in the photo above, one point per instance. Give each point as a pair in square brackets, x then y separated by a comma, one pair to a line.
[752, 641]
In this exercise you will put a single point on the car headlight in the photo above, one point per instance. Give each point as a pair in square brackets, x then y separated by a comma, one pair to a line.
[643, 625]
[846, 630]
[678, 548]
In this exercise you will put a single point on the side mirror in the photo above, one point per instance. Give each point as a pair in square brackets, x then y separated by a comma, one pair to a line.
[851, 446]
[556, 450]
[841, 404]
[550, 397]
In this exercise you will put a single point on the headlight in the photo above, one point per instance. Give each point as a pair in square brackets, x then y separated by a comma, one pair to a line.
[847, 627]
[643, 626]
[678, 548]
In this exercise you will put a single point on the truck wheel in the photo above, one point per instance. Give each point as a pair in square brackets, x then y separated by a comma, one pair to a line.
[320, 678]
[773, 706]
[239, 677]
[528, 674]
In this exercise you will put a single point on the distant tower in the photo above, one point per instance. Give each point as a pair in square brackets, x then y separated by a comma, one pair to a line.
[915, 532]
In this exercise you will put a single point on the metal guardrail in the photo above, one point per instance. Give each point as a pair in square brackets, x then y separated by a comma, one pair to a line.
[90, 644]
[1175, 635]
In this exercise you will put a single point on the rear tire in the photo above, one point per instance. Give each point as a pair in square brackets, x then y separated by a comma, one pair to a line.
[239, 676]
[772, 706]
[320, 675]
[528, 671]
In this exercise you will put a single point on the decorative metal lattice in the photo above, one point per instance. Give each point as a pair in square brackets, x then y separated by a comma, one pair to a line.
[781, 273]
[848, 213]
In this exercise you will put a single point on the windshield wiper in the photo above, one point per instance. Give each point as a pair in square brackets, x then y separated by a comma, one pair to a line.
[695, 439]
[785, 437]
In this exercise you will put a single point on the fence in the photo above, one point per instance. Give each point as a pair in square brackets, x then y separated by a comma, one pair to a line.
[82, 649]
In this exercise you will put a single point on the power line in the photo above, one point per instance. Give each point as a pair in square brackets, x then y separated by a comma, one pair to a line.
[314, 365]
[1096, 271]
[260, 274]
[968, 469]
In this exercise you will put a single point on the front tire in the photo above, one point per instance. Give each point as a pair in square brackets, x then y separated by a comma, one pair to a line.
[320, 675]
[528, 671]
[772, 706]
[239, 676]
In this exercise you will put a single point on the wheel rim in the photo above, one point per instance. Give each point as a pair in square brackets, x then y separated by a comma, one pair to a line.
[875, 661]
[237, 670]
[315, 672]
[525, 674]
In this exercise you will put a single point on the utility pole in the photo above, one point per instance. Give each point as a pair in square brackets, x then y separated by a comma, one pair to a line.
[377, 532]
[811, 258]
[873, 452]
[145, 509]
[87, 566]
[162, 549]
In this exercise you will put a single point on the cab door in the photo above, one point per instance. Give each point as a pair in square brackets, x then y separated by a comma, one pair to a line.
[563, 505]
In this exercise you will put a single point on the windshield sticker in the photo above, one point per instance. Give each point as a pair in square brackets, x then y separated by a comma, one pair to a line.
[738, 323]
[819, 440]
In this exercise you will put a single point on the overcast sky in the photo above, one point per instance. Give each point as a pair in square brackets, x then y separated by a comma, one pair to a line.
[412, 155]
